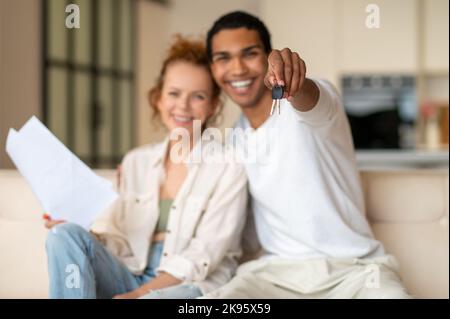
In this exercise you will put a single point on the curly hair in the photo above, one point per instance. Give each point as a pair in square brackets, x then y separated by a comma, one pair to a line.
[186, 50]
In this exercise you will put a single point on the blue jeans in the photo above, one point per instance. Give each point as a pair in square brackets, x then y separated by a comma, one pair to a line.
[79, 266]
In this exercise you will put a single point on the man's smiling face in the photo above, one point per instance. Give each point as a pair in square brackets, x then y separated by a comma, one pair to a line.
[239, 65]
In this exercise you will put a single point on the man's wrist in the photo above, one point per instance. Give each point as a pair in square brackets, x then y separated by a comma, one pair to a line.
[307, 98]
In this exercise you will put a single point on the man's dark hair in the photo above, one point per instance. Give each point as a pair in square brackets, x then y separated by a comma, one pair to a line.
[238, 19]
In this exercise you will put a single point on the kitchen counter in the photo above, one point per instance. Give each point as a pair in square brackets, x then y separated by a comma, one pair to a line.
[399, 159]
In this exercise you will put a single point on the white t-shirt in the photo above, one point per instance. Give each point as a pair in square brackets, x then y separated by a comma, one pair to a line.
[304, 184]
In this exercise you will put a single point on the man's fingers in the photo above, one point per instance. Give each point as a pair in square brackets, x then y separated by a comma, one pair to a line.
[298, 76]
[302, 73]
[286, 54]
[273, 80]
[295, 75]
[286, 68]
[269, 81]
[276, 67]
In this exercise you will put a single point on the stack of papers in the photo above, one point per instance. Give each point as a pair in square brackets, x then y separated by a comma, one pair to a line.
[67, 188]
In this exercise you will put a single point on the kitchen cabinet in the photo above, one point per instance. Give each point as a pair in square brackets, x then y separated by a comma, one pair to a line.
[391, 48]
[435, 36]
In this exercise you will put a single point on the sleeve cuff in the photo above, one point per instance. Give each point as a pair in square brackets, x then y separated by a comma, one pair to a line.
[183, 269]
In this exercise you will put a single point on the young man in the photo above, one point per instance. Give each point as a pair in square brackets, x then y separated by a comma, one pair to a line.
[307, 201]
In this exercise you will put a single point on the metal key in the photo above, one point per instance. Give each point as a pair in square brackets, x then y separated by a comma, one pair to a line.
[277, 95]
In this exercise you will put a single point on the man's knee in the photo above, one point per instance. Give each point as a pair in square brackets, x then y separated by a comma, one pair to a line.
[385, 292]
[394, 293]
[239, 287]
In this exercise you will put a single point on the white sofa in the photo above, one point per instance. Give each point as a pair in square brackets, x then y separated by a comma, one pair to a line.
[408, 211]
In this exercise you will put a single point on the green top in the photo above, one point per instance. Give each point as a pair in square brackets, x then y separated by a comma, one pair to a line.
[164, 209]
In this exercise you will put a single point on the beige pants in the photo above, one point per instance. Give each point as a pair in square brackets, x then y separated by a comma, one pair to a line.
[319, 278]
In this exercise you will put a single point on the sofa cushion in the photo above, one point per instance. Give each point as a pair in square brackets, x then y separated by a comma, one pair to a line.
[18, 201]
[405, 196]
[422, 252]
[23, 265]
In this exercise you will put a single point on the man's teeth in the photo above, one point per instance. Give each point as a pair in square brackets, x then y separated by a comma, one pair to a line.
[182, 118]
[241, 84]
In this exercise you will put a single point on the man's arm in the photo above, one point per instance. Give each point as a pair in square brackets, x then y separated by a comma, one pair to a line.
[307, 98]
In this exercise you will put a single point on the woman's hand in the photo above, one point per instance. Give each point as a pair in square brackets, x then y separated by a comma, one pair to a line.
[139, 292]
[162, 280]
[49, 223]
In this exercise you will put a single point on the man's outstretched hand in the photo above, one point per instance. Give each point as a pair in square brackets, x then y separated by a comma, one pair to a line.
[287, 69]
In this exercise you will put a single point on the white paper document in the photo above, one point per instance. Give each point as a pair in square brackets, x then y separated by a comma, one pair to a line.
[66, 187]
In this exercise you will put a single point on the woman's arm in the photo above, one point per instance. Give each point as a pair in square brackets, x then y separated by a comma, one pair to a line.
[162, 280]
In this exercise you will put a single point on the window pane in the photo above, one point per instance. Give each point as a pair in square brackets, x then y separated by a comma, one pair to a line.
[83, 34]
[125, 113]
[71, 89]
[57, 104]
[56, 29]
[125, 32]
[105, 33]
[105, 125]
[82, 114]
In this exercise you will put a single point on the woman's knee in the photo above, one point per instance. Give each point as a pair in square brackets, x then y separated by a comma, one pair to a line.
[64, 235]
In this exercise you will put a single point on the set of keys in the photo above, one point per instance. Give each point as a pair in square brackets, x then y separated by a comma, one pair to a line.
[277, 95]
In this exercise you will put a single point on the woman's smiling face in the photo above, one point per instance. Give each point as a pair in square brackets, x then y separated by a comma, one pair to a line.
[186, 95]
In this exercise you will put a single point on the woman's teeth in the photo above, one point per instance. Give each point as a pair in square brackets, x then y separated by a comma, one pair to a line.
[182, 119]
[241, 84]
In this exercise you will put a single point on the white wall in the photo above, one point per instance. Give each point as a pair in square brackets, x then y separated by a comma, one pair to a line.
[151, 26]
[20, 67]
[391, 48]
[436, 26]
[197, 16]
[307, 27]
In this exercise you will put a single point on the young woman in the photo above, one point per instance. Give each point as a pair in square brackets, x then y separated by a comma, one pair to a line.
[175, 230]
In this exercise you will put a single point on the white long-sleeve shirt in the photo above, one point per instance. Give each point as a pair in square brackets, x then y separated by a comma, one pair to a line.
[305, 190]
